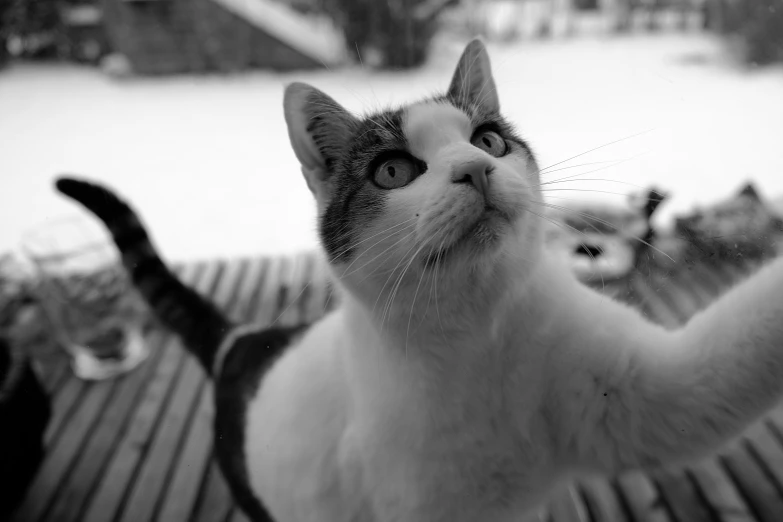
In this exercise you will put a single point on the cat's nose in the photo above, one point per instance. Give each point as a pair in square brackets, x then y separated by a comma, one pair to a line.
[475, 172]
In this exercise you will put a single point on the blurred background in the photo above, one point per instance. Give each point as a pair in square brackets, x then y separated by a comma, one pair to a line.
[177, 104]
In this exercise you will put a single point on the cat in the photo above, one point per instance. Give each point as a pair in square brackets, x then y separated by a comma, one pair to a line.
[466, 372]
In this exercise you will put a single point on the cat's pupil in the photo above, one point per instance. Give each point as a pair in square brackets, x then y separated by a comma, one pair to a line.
[392, 171]
[486, 141]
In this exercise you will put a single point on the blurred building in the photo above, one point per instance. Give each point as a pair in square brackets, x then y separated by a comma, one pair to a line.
[172, 36]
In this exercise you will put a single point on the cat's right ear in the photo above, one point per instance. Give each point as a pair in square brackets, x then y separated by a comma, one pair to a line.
[319, 128]
[472, 81]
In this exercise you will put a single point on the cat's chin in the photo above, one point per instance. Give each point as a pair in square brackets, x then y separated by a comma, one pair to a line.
[483, 236]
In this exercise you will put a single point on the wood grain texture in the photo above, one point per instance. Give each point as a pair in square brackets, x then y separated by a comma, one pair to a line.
[165, 444]
[139, 448]
[192, 464]
[122, 471]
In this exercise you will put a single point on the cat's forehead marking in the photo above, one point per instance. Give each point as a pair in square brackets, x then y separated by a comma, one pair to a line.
[385, 126]
[431, 125]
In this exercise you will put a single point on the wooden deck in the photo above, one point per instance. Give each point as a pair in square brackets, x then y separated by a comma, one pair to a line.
[138, 448]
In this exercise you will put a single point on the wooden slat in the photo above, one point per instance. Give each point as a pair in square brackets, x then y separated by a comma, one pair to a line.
[248, 293]
[568, 506]
[62, 453]
[713, 278]
[678, 302]
[768, 456]
[192, 464]
[642, 498]
[63, 405]
[657, 309]
[774, 423]
[732, 273]
[681, 496]
[179, 502]
[710, 278]
[703, 293]
[163, 446]
[278, 281]
[122, 469]
[686, 291]
[723, 497]
[82, 480]
[719, 490]
[110, 494]
[166, 441]
[755, 486]
[293, 289]
[602, 500]
[267, 303]
[231, 282]
[68, 435]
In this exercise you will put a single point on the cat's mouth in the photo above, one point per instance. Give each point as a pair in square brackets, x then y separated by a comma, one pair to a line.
[482, 233]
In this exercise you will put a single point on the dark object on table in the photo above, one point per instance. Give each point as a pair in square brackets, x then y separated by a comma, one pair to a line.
[740, 228]
[24, 414]
[604, 241]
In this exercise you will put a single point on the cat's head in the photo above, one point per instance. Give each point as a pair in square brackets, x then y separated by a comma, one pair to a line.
[441, 185]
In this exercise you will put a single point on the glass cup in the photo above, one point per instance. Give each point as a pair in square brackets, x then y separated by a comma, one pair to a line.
[87, 297]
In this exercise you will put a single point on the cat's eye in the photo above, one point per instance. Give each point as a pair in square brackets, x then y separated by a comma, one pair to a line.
[490, 142]
[395, 173]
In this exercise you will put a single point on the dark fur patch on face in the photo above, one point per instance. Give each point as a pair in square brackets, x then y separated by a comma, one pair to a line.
[354, 200]
[330, 126]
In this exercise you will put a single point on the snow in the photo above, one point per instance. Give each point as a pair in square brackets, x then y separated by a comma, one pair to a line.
[206, 160]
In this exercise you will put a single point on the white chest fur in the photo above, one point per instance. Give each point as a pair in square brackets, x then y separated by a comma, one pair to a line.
[346, 427]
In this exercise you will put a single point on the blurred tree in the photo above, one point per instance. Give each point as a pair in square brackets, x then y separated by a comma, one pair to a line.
[31, 27]
[45, 29]
[397, 32]
[757, 25]
[4, 31]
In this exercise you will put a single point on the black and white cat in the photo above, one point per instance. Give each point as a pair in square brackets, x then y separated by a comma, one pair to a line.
[466, 371]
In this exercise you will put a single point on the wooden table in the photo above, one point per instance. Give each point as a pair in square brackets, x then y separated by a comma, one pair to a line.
[138, 448]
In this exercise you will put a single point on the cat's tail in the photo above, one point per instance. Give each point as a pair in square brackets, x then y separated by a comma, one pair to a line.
[197, 321]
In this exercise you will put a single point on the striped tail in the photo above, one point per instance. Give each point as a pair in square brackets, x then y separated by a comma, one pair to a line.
[200, 324]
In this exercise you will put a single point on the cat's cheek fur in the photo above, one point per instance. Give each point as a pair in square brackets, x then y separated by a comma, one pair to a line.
[380, 242]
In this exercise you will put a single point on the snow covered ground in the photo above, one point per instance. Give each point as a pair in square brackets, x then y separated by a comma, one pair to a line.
[206, 160]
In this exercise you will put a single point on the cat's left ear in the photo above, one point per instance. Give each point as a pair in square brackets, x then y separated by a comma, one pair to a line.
[472, 82]
[319, 129]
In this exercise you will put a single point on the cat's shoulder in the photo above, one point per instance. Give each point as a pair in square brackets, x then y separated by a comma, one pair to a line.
[253, 356]
[249, 351]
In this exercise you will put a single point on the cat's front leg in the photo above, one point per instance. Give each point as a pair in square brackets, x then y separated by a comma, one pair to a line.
[633, 395]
